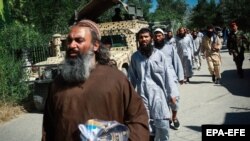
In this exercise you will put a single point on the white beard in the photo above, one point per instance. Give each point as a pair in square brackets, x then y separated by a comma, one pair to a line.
[78, 70]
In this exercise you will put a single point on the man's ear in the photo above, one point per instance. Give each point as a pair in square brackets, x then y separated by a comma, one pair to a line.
[96, 45]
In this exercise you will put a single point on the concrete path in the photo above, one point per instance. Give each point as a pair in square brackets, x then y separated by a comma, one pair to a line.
[203, 102]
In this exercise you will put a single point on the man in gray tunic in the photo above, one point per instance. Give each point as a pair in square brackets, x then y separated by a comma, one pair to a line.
[149, 71]
[185, 51]
[197, 49]
[176, 69]
[170, 39]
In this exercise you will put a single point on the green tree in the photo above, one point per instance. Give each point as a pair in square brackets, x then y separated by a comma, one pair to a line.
[209, 12]
[5, 16]
[169, 10]
[15, 38]
[236, 10]
[50, 16]
[205, 13]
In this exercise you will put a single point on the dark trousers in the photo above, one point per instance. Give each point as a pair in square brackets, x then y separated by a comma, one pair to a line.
[238, 59]
[152, 138]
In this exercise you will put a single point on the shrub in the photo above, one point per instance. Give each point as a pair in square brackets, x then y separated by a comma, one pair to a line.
[15, 39]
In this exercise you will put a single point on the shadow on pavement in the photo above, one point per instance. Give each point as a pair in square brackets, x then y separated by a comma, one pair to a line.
[201, 75]
[234, 84]
[199, 82]
[237, 118]
[195, 128]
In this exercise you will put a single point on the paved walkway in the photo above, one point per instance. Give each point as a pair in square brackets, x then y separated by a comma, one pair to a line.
[203, 102]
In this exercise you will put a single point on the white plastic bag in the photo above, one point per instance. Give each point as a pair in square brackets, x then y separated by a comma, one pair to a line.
[99, 130]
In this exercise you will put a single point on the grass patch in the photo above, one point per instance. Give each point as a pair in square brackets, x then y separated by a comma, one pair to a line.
[10, 111]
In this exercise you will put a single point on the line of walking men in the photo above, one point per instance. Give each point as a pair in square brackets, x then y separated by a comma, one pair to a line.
[162, 63]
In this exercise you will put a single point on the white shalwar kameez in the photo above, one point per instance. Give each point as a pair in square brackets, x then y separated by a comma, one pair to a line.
[154, 82]
[185, 50]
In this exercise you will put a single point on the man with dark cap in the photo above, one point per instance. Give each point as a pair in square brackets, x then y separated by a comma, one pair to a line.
[88, 88]
[235, 44]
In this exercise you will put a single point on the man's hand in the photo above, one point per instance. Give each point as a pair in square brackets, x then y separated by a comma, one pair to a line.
[173, 100]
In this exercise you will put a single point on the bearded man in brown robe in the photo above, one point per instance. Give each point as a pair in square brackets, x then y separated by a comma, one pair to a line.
[88, 88]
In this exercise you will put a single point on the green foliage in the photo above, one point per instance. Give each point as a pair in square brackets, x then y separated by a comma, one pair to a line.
[5, 13]
[203, 14]
[1, 7]
[236, 10]
[48, 16]
[11, 88]
[208, 12]
[15, 38]
[170, 11]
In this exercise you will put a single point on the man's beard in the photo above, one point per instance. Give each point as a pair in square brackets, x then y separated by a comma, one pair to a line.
[169, 37]
[181, 35]
[210, 34]
[146, 49]
[159, 44]
[78, 69]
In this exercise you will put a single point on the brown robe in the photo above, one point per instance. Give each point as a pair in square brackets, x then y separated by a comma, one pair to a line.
[106, 95]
